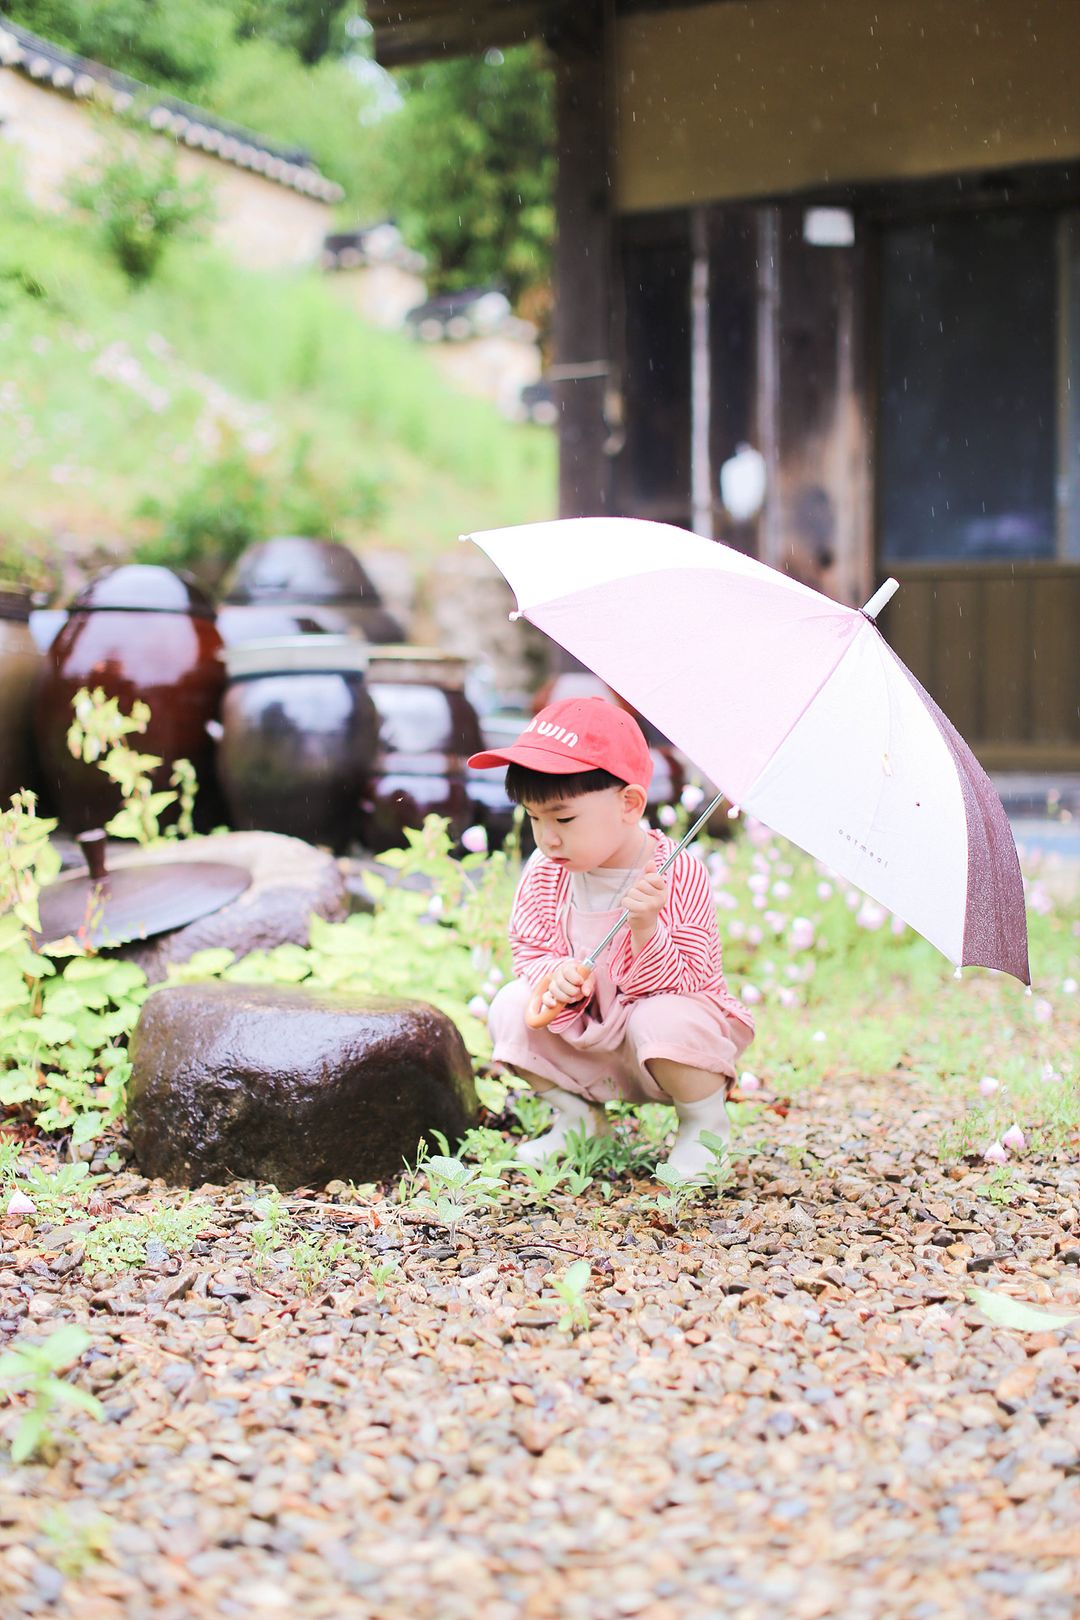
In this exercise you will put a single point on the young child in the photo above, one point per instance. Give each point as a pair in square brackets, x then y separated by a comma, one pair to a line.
[654, 1021]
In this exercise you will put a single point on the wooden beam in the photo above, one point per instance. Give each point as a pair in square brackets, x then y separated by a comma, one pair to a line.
[409, 31]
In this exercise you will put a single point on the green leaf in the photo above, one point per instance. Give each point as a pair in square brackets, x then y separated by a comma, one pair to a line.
[1005, 1311]
[29, 1435]
[72, 1395]
[717, 1145]
[55, 1031]
[27, 913]
[670, 1177]
[63, 1346]
[394, 858]
[204, 964]
[87, 1127]
[576, 1276]
[87, 968]
[18, 1086]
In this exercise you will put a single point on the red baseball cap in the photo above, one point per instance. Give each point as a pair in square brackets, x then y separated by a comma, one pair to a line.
[578, 734]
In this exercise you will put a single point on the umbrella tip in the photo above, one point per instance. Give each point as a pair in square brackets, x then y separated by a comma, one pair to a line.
[883, 594]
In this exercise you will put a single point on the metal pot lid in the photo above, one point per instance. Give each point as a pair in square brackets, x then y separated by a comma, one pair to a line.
[144, 588]
[102, 908]
[296, 568]
[297, 655]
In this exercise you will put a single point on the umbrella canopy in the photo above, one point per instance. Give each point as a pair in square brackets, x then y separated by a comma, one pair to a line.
[793, 704]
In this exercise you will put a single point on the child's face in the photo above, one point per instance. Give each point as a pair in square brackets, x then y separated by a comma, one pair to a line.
[596, 829]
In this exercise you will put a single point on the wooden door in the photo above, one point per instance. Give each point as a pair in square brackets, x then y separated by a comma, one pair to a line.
[976, 482]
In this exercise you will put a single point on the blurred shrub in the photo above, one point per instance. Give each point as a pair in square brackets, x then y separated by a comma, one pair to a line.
[172, 42]
[470, 165]
[136, 194]
[238, 498]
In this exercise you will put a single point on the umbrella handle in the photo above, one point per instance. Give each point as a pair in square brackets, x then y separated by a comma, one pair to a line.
[538, 1014]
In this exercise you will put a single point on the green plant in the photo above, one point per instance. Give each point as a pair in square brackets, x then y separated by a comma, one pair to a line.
[454, 1190]
[313, 1260]
[718, 1172]
[271, 1231]
[33, 1369]
[225, 505]
[10, 1154]
[77, 1543]
[27, 861]
[380, 1272]
[54, 1191]
[141, 204]
[680, 1191]
[238, 496]
[570, 1290]
[61, 1038]
[542, 1180]
[96, 736]
[1002, 1186]
[487, 1147]
[532, 1113]
[127, 1242]
[471, 158]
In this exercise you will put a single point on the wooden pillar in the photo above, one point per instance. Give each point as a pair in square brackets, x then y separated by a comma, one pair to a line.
[586, 387]
[770, 524]
[701, 478]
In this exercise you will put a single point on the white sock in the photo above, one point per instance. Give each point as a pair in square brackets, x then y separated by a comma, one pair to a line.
[690, 1156]
[572, 1113]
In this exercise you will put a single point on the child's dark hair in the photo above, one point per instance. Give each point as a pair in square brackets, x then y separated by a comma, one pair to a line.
[543, 787]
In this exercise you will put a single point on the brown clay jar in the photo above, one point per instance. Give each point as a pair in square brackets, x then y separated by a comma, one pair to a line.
[138, 631]
[20, 662]
[320, 580]
[298, 733]
[427, 730]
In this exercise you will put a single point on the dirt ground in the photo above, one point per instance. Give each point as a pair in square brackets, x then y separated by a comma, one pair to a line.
[786, 1405]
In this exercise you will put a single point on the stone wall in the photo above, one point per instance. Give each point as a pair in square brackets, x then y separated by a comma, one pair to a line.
[260, 223]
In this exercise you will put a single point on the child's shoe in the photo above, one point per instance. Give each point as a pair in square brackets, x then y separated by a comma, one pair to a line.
[572, 1113]
[690, 1157]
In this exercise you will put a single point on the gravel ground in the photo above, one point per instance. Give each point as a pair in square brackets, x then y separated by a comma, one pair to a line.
[785, 1404]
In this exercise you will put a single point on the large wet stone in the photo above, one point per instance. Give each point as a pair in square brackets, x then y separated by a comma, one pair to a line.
[291, 882]
[293, 1085]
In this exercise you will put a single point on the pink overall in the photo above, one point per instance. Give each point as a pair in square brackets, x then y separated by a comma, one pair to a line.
[602, 1053]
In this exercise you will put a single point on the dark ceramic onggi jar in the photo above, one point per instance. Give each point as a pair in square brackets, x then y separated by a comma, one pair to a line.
[19, 665]
[298, 736]
[427, 730]
[319, 580]
[139, 631]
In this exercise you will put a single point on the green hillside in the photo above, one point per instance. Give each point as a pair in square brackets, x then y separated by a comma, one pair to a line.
[214, 399]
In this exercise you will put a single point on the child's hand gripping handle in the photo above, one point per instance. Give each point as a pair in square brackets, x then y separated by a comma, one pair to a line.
[547, 1002]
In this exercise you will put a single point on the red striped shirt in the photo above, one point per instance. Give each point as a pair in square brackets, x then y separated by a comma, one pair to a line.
[683, 956]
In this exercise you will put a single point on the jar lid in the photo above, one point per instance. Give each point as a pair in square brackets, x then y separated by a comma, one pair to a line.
[295, 568]
[144, 588]
[16, 602]
[297, 655]
[418, 666]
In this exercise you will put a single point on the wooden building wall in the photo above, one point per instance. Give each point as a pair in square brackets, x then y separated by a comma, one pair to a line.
[756, 98]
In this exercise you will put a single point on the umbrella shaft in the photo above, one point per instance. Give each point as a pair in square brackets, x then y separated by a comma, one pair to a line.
[597, 950]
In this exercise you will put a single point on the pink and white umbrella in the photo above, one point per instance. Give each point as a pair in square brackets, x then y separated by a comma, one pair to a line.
[795, 706]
